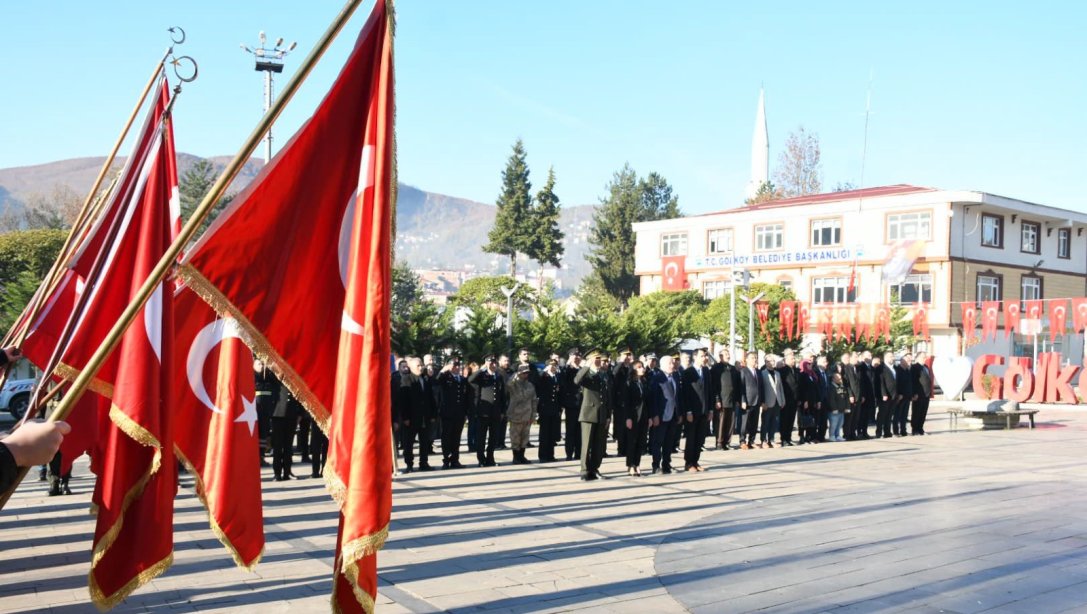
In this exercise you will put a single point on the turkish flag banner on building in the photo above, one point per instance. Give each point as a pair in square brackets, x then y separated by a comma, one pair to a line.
[969, 318]
[1034, 309]
[300, 259]
[826, 323]
[883, 322]
[786, 314]
[216, 418]
[1079, 314]
[762, 308]
[1058, 318]
[920, 320]
[1011, 318]
[803, 318]
[843, 324]
[673, 273]
[990, 314]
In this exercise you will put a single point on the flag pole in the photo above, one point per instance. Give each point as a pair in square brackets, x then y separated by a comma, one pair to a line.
[162, 268]
[17, 334]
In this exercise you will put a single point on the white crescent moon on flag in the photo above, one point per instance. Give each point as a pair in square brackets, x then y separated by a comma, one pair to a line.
[990, 312]
[152, 321]
[1059, 311]
[366, 181]
[671, 266]
[202, 345]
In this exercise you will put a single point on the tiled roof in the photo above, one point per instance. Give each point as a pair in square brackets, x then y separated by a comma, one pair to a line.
[811, 199]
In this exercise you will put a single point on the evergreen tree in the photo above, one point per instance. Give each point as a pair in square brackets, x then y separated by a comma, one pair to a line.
[546, 247]
[512, 230]
[193, 186]
[612, 235]
[657, 199]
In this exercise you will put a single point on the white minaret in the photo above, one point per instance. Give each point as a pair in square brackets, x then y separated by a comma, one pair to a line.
[760, 150]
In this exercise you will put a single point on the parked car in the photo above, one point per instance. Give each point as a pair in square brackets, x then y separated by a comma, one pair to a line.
[15, 397]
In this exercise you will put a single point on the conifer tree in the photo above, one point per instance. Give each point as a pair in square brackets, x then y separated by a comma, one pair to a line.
[512, 230]
[547, 238]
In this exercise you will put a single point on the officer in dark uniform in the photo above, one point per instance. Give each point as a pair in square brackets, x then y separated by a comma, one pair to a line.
[455, 402]
[595, 391]
[267, 390]
[417, 414]
[620, 374]
[549, 393]
[570, 393]
[284, 420]
[490, 395]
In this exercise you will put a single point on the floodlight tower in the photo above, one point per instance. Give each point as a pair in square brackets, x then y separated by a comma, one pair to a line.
[269, 60]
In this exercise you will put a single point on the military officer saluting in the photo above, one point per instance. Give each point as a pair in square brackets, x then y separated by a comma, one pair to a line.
[549, 391]
[455, 401]
[490, 396]
[594, 415]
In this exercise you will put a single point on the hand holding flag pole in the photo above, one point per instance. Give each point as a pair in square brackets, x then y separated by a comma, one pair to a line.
[164, 265]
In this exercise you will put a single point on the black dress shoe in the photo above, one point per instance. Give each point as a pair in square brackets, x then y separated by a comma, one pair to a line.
[456, 465]
[408, 469]
[666, 470]
[599, 476]
[426, 468]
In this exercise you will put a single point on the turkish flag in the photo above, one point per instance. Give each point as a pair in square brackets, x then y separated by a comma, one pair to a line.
[786, 312]
[843, 324]
[803, 317]
[1034, 309]
[137, 480]
[826, 323]
[84, 436]
[990, 313]
[1011, 318]
[969, 318]
[920, 320]
[1079, 314]
[216, 418]
[883, 322]
[762, 308]
[1058, 318]
[300, 259]
[673, 273]
[862, 322]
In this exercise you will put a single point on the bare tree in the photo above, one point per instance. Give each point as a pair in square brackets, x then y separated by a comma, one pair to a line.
[799, 170]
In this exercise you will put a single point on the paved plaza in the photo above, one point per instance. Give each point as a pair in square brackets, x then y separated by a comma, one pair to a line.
[972, 521]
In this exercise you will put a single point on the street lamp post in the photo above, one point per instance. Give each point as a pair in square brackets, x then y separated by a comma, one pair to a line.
[268, 60]
[509, 316]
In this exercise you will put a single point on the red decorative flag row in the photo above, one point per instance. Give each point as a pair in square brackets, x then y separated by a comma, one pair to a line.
[1033, 309]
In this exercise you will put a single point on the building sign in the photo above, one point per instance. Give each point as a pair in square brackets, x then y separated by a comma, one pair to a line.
[783, 257]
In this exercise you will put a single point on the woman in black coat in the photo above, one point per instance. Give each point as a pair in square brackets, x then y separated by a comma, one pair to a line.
[636, 411]
[805, 405]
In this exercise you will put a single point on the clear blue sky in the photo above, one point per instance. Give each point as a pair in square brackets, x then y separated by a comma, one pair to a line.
[966, 95]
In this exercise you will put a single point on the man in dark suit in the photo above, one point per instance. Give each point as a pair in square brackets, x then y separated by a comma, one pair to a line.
[284, 419]
[790, 382]
[490, 396]
[665, 391]
[594, 415]
[852, 382]
[887, 396]
[904, 387]
[750, 401]
[868, 375]
[456, 399]
[418, 414]
[698, 409]
[922, 392]
[620, 374]
[822, 376]
[726, 380]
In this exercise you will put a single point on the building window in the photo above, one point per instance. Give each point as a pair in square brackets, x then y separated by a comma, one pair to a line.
[1064, 242]
[786, 283]
[674, 244]
[714, 289]
[720, 240]
[768, 236]
[826, 232]
[913, 289]
[988, 288]
[1030, 233]
[992, 230]
[832, 290]
[1031, 289]
[917, 225]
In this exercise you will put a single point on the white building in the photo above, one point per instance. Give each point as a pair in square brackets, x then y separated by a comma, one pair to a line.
[972, 246]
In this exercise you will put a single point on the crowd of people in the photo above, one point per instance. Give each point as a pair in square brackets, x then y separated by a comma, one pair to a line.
[650, 405]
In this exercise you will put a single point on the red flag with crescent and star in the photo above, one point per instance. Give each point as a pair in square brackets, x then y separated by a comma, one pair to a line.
[1079, 314]
[673, 273]
[990, 314]
[883, 322]
[1034, 309]
[843, 324]
[803, 318]
[1011, 318]
[216, 417]
[300, 258]
[969, 318]
[1058, 318]
[137, 481]
[920, 320]
[786, 312]
[826, 323]
[762, 308]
